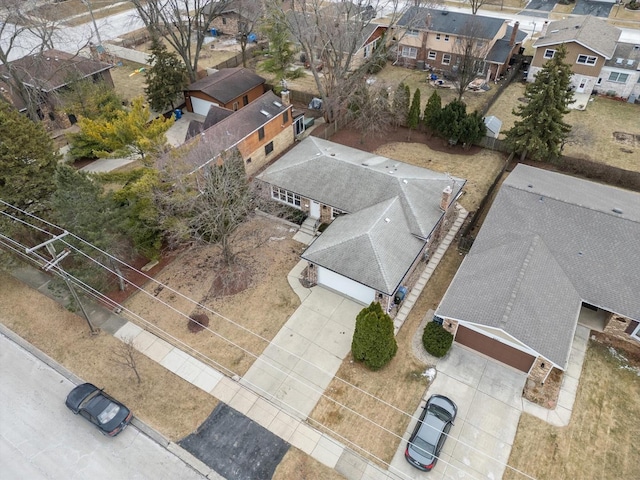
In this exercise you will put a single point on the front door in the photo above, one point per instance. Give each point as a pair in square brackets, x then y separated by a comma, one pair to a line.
[314, 209]
[581, 85]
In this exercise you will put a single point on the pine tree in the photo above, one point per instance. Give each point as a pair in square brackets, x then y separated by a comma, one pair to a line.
[166, 79]
[400, 105]
[541, 130]
[450, 121]
[413, 118]
[373, 341]
[432, 111]
[472, 129]
[281, 52]
[27, 161]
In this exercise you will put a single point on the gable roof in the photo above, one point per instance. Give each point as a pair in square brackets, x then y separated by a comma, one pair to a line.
[392, 208]
[227, 84]
[380, 232]
[214, 115]
[453, 23]
[53, 69]
[230, 131]
[549, 243]
[500, 51]
[590, 32]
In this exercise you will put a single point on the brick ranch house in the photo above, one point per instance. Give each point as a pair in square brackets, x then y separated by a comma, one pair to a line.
[260, 131]
[433, 39]
[230, 88]
[46, 75]
[554, 251]
[385, 217]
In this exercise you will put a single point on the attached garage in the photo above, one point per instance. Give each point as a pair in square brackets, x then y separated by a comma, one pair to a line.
[346, 286]
[200, 106]
[494, 349]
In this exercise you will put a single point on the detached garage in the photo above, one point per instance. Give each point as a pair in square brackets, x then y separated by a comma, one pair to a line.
[345, 286]
[200, 106]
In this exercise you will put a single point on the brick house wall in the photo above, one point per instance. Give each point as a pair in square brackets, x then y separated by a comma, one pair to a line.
[227, 23]
[253, 150]
[450, 326]
[540, 370]
[620, 327]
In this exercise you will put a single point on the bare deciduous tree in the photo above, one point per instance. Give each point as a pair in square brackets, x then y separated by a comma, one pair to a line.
[250, 12]
[470, 48]
[369, 111]
[183, 23]
[476, 4]
[126, 355]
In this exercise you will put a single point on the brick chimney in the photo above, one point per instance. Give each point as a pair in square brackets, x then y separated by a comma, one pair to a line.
[284, 95]
[446, 198]
[512, 40]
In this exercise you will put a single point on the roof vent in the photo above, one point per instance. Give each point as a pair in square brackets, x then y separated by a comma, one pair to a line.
[405, 181]
[616, 210]
[387, 219]
[445, 12]
[265, 113]
[554, 31]
[530, 186]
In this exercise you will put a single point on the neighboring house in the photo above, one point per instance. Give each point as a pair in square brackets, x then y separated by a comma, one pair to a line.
[235, 16]
[590, 43]
[45, 75]
[261, 131]
[385, 216]
[230, 88]
[432, 39]
[620, 75]
[552, 251]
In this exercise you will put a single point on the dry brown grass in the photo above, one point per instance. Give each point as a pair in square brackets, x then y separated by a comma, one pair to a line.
[163, 400]
[267, 251]
[399, 384]
[480, 169]
[600, 440]
[595, 127]
[128, 86]
[300, 466]
[59, 11]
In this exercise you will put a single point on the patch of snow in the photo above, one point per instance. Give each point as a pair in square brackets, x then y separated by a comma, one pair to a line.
[430, 374]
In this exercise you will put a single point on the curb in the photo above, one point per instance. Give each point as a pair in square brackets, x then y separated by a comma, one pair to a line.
[142, 427]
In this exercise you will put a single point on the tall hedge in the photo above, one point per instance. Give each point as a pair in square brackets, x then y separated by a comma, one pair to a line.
[373, 341]
[436, 340]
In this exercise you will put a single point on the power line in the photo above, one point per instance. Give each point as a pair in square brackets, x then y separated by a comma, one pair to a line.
[97, 294]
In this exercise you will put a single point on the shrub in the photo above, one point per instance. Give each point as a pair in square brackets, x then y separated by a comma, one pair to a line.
[373, 341]
[198, 322]
[436, 340]
[633, 5]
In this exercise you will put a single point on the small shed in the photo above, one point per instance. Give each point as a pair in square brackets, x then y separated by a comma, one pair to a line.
[494, 125]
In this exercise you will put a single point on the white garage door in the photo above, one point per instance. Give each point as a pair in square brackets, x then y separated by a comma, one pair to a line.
[201, 107]
[345, 286]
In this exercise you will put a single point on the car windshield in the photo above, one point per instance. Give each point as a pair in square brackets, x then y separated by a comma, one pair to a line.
[439, 412]
[108, 413]
[421, 446]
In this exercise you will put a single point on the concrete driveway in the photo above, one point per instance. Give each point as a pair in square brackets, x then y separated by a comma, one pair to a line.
[294, 370]
[489, 399]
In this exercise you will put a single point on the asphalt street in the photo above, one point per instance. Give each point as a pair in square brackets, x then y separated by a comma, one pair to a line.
[41, 439]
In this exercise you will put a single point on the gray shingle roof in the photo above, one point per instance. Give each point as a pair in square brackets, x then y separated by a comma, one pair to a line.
[227, 84]
[501, 49]
[549, 242]
[363, 246]
[453, 23]
[626, 55]
[590, 32]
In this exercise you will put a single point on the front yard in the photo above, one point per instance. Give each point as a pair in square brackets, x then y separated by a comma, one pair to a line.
[601, 438]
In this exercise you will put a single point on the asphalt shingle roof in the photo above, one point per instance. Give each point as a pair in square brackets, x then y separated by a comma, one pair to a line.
[590, 32]
[227, 84]
[549, 243]
[453, 23]
[362, 245]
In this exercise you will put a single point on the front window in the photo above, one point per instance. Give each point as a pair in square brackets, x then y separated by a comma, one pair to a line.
[446, 59]
[285, 196]
[260, 133]
[548, 53]
[432, 55]
[268, 148]
[409, 52]
[285, 117]
[413, 33]
[618, 77]
[586, 60]
[438, 36]
[446, 38]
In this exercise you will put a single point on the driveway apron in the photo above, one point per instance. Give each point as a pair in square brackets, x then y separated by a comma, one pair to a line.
[489, 399]
[295, 369]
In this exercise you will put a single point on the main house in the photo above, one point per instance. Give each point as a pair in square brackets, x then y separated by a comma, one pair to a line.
[44, 76]
[230, 88]
[435, 39]
[591, 44]
[385, 217]
[552, 251]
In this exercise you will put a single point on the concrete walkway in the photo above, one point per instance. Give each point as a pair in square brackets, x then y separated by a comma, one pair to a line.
[108, 164]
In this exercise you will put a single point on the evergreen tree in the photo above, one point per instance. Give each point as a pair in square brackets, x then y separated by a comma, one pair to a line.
[281, 52]
[432, 111]
[413, 118]
[451, 120]
[400, 105]
[373, 341]
[541, 130]
[28, 161]
[472, 129]
[166, 79]
[88, 99]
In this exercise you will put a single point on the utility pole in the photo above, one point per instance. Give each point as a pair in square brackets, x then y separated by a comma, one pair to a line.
[54, 263]
[87, 3]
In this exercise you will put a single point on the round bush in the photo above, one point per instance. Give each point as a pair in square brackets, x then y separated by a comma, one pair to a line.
[197, 322]
[373, 341]
[436, 340]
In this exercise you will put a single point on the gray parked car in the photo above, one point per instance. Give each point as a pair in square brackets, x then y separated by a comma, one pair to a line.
[104, 411]
[427, 439]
